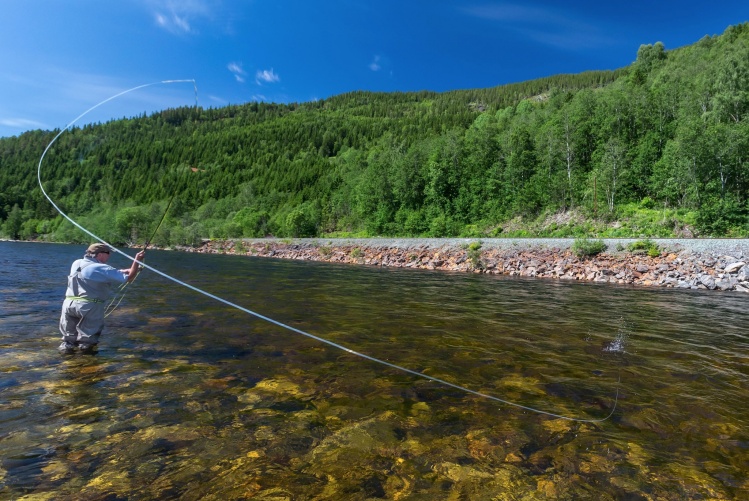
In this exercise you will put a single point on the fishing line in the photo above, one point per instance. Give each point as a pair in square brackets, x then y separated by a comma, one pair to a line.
[276, 322]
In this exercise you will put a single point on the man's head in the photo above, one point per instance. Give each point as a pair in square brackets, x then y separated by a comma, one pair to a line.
[98, 251]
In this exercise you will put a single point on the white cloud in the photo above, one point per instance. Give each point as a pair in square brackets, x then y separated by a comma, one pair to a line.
[267, 76]
[375, 64]
[237, 71]
[178, 16]
[172, 23]
[181, 23]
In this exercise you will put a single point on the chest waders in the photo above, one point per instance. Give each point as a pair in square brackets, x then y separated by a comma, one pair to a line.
[82, 318]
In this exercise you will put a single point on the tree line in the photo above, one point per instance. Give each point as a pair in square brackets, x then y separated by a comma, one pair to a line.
[657, 148]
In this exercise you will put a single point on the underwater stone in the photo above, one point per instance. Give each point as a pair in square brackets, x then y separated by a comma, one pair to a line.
[458, 473]
[558, 425]
[108, 482]
[526, 384]
[419, 408]
[284, 387]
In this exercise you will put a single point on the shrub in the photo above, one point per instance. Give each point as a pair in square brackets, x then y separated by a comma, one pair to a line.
[583, 247]
[474, 254]
[721, 218]
[299, 224]
[647, 245]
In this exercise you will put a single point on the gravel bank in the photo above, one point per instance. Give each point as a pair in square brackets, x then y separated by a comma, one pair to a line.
[719, 246]
[711, 264]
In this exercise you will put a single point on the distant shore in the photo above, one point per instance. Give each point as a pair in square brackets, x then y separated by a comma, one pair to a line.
[709, 264]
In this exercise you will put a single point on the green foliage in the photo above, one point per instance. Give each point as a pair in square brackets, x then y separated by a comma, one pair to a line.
[644, 219]
[252, 222]
[14, 223]
[723, 217]
[298, 224]
[132, 224]
[474, 254]
[654, 149]
[647, 245]
[584, 247]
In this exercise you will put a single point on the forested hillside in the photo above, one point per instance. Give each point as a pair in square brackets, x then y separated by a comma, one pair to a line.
[659, 148]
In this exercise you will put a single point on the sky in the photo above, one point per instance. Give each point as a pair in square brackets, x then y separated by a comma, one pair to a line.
[60, 58]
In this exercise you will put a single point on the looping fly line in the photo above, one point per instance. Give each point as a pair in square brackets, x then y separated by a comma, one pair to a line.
[268, 319]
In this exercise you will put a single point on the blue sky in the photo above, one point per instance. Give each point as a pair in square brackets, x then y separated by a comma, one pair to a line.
[61, 57]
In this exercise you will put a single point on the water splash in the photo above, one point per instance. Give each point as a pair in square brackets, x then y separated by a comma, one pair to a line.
[619, 342]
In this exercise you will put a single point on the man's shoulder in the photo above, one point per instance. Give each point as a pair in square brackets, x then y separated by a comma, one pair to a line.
[78, 264]
[104, 272]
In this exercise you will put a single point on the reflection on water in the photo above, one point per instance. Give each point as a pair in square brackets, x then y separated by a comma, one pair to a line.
[188, 399]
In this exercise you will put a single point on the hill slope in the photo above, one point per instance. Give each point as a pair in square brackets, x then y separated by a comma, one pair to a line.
[659, 148]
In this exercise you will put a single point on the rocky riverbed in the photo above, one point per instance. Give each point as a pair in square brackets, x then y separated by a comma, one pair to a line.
[684, 263]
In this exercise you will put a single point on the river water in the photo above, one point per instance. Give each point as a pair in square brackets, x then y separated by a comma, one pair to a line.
[189, 398]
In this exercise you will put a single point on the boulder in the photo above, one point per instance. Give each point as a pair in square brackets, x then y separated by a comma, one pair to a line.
[743, 275]
[734, 267]
[708, 281]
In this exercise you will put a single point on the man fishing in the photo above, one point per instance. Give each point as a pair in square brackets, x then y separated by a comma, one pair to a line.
[90, 284]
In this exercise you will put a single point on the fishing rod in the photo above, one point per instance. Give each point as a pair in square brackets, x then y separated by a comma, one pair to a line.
[120, 294]
[148, 242]
[280, 324]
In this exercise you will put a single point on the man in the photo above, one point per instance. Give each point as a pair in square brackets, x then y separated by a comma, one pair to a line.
[90, 284]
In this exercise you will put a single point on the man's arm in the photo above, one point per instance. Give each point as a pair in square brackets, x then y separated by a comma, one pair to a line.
[135, 267]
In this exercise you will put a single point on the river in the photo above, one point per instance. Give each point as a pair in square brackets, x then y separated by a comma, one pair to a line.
[189, 398]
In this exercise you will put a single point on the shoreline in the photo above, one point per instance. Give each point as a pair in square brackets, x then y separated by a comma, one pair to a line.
[698, 264]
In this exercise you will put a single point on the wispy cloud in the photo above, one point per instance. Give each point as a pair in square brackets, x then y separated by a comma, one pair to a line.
[60, 96]
[52, 97]
[216, 99]
[266, 76]
[550, 26]
[375, 64]
[178, 16]
[21, 123]
[237, 71]
[172, 23]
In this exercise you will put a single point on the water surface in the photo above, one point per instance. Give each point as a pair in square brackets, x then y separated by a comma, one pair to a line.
[190, 399]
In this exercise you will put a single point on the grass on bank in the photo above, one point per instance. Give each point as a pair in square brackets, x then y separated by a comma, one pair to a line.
[636, 220]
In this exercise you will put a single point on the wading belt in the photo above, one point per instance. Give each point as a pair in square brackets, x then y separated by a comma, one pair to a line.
[86, 299]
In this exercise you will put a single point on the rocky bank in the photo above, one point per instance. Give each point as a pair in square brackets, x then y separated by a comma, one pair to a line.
[686, 264]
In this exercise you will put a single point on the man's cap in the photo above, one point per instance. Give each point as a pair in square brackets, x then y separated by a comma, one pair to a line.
[94, 249]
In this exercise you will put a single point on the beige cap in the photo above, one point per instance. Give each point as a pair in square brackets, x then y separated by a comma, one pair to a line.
[94, 249]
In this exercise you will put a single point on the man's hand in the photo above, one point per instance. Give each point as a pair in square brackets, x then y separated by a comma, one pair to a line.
[135, 268]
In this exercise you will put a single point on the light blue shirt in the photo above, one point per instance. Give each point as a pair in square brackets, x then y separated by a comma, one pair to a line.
[93, 280]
